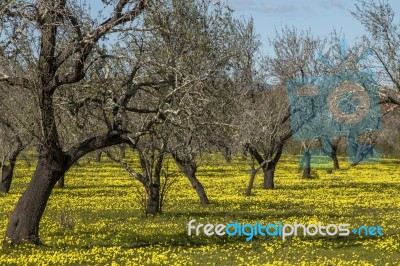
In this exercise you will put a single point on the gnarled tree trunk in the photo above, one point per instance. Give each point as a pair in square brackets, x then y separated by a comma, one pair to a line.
[152, 164]
[23, 226]
[55, 68]
[227, 154]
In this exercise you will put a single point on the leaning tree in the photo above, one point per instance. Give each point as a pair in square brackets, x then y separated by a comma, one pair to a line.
[101, 80]
[56, 42]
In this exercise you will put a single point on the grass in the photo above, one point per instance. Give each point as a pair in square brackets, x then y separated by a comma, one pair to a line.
[96, 219]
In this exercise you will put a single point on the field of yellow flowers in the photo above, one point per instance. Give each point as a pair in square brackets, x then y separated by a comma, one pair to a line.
[96, 219]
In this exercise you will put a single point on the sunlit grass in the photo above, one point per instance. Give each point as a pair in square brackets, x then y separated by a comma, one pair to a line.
[96, 218]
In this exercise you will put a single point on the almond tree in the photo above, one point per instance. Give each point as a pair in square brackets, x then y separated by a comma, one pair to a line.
[190, 41]
[11, 147]
[383, 39]
[264, 129]
[102, 80]
[56, 42]
[15, 129]
[266, 115]
[151, 151]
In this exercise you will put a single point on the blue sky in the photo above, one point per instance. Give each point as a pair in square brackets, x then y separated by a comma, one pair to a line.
[321, 16]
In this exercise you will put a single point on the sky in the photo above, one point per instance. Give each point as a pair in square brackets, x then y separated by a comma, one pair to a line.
[321, 16]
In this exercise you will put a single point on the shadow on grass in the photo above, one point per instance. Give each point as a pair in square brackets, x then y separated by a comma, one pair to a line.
[130, 240]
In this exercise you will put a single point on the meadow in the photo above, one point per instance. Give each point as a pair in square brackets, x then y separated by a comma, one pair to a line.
[96, 218]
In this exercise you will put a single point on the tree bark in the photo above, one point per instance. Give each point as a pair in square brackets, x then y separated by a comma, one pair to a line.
[268, 165]
[23, 226]
[228, 154]
[189, 169]
[334, 156]
[198, 187]
[7, 172]
[335, 162]
[196, 184]
[269, 174]
[6, 177]
[153, 202]
[98, 156]
[61, 181]
[252, 177]
[307, 164]
[122, 152]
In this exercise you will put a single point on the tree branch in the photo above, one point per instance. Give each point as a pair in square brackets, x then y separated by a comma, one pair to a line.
[98, 142]
[83, 48]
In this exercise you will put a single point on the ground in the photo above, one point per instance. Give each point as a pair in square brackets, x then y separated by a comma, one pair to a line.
[97, 219]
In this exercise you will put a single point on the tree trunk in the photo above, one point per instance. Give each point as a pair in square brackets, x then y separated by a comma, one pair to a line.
[7, 173]
[307, 164]
[6, 177]
[334, 157]
[228, 154]
[189, 169]
[23, 226]
[198, 187]
[251, 182]
[362, 152]
[190, 173]
[252, 177]
[307, 172]
[98, 156]
[153, 202]
[269, 173]
[335, 162]
[122, 152]
[61, 181]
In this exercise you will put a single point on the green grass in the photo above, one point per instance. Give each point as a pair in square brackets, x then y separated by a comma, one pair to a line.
[96, 219]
